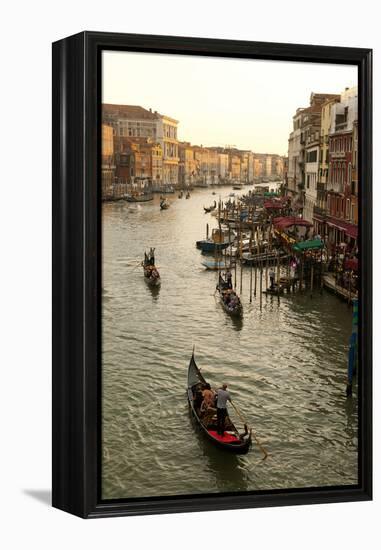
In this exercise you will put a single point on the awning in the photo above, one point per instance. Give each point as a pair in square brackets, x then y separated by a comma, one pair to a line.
[349, 229]
[289, 221]
[351, 264]
[314, 244]
[273, 204]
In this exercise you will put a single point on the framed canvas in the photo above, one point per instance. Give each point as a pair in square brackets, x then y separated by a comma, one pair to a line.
[212, 299]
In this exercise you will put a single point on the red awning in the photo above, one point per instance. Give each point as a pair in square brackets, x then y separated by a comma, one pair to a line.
[350, 229]
[289, 221]
[351, 263]
[273, 204]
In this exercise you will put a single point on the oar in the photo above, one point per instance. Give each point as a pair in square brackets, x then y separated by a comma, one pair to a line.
[255, 437]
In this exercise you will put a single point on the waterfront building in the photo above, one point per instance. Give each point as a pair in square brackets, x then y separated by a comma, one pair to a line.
[188, 166]
[258, 165]
[268, 165]
[306, 127]
[320, 209]
[295, 174]
[133, 121]
[234, 165]
[222, 166]
[108, 161]
[342, 186]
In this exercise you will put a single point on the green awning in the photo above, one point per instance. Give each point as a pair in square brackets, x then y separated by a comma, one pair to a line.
[308, 245]
[271, 194]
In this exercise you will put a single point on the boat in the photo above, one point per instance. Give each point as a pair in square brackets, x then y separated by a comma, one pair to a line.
[164, 204]
[213, 263]
[181, 195]
[187, 196]
[231, 440]
[150, 271]
[139, 197]
[210, 208]
[218, 241]
[230, 300]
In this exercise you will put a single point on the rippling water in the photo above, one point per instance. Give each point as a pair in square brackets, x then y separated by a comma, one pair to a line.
[285, 367]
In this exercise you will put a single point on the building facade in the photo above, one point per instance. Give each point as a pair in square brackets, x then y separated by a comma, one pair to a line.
[108, 161]
[136, 123]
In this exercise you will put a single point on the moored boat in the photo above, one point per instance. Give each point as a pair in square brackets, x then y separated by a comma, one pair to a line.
[187, 196]
[218, 241]
[210, 208]
[231, 440]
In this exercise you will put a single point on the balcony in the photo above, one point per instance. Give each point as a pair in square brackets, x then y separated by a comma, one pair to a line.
[320, 211]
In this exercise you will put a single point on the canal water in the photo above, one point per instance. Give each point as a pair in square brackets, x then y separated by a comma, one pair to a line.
[285, 366]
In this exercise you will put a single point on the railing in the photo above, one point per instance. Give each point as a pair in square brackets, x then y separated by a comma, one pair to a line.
[320, 211]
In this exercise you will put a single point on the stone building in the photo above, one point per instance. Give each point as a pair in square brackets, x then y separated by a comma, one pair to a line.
[133, 121]
[108, 161]
[342, 186]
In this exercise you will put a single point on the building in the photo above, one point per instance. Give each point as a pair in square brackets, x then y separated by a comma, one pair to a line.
[133, 121]
[305, 138]
[342, 186]
[108, 161]
[139, 161]
[320, 209]
[222, 167]
[295, 175]
[234, 166]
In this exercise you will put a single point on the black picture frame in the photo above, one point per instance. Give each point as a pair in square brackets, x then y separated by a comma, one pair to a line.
[76, 271]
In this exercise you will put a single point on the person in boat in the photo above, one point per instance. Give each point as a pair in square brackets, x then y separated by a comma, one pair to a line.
[152, 256]
[208, 397]
[228, 278]
[223, 396]
[198, 398]
[207, 408]
[272, 279]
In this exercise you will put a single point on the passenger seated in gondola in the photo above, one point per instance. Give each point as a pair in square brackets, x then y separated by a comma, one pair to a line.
[198, 397]
[207, 408]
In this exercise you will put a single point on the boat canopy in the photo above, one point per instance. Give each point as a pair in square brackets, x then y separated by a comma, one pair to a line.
[315, 244]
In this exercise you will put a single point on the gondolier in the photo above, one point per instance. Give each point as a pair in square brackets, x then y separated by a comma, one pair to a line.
[223, 396]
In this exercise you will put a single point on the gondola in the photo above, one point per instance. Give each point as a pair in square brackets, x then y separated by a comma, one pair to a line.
[229, 299]
[187, 196]
[150, 271]
[210, 208]
[231, 440]
[164, 204]
[180, 195]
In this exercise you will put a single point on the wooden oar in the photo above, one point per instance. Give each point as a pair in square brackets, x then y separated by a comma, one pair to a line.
[255, 437]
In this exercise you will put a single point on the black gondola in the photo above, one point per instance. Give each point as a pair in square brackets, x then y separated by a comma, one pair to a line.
[230, 300]
[210, 208]
[150, 271]
[232, 440]
[164, 204]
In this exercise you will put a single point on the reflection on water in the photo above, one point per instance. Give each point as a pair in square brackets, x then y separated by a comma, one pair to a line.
[285, 365]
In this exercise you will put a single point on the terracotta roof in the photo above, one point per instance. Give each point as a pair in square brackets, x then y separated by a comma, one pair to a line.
[131, 111]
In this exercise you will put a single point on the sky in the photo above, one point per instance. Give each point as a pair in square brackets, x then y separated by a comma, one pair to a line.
[248, 104]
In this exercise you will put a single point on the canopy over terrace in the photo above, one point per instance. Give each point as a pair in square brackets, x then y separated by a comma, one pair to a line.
[314, 244]
[276, 203]
[349, 229]
[290, 221]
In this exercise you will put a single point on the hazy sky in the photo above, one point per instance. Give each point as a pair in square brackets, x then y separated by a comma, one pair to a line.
[245, 103]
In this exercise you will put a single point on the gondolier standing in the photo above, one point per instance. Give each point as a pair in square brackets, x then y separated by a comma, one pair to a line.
[223, 397]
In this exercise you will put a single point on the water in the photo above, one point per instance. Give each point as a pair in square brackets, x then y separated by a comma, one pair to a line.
[285, 367]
